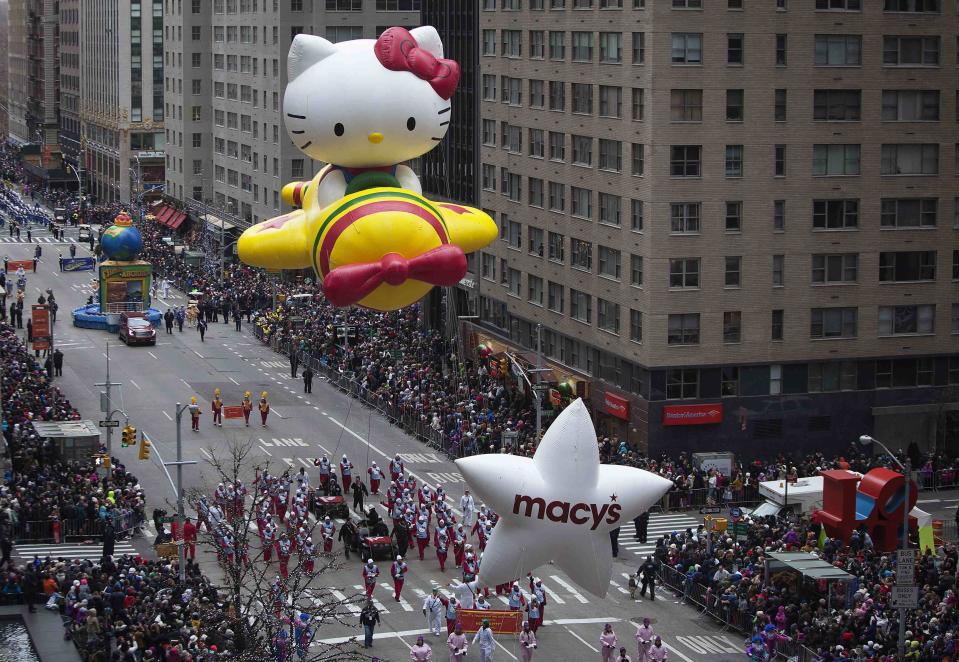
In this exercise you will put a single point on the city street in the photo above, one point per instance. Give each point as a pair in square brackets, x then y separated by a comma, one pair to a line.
[301, 427]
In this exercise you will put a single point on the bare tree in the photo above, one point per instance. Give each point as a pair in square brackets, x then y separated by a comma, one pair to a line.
[256, 611]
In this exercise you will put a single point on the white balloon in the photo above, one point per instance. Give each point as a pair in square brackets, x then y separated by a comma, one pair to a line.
[560, 505]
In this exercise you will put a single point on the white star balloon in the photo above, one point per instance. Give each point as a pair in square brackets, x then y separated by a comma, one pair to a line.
[560, 505]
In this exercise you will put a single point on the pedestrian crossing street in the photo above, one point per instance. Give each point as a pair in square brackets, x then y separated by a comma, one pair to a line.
[71, 551]
[659, 525]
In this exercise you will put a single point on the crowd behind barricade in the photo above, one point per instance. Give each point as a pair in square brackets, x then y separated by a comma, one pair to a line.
[725, 575]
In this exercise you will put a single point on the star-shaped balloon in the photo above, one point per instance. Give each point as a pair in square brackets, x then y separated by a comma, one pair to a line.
[560, 505]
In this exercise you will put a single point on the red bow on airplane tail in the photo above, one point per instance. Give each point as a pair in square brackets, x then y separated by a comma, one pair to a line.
[349, 284]
[397, 51]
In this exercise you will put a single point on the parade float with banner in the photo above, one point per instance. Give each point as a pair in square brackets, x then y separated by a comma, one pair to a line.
[124, 281]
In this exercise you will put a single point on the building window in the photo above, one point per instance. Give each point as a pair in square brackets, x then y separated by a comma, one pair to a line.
[732, 326]
[512, 43]
[835, 160]
[685, 160]
[686, 105]
[557, 45]
[687, 48]
[735, 48]
[910, 159]
[638, 162]
[832, 376]
[635, 325]
[488, 266]
[555, 297]
[582, 98]
[557, 196]
[684, 217]
[607, 317]
[779, 112]
[683, 329]
[906, 266]
[639, 48]
[781, 41]
[582, 150]
[837, 105]
[734, 216]
[581, 254]
[913, 6]
[514, 279]
[637, 214]
[610, 155]
[580, 306]
[610, 101]
[777, 323]
[733, 271]
[639, 104]
[537, 44]
[557, 95]
[537, 93]
[906, 320]
[833, 322]
[838, 50]
[910, 105]
[955, 318]
[735, 105]
[611, 47]
[536, 195]
[609, 209]
[610, 261]
[489, 42]
[835, 214]
[779, 215]
[636, 270]
[729, 385]
[682, 383]
[779, 270]
[835, 268]
[911, 51]
[779, 160]
[556, 246]
[489, 133]
[734, 160]
[582, 202]
[839, 5]
[955, 265]
[684, 272]
[489, 177]
[582, 46]
[534, 290]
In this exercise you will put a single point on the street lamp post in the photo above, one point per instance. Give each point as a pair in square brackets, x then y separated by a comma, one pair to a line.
[865, 440]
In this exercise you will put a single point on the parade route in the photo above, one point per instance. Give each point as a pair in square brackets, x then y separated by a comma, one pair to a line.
[303, 426]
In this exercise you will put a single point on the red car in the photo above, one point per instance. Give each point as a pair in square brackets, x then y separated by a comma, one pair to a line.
[136, 330]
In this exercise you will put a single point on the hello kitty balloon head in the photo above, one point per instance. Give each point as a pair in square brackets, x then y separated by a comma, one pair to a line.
[366, 103]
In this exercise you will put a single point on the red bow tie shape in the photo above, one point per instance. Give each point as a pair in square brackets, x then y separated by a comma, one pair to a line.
[349, 284]
[397, 51]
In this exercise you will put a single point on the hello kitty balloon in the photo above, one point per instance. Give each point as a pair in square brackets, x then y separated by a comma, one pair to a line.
[364, 107]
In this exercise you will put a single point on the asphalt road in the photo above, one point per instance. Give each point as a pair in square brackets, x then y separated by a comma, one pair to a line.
[300, 428]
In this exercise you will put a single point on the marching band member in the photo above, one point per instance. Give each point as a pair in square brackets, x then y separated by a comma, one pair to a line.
[327, 529]
[324, 465]
[376, 475]
[217, 407]
[268, 539]
[283, 550]
[441, 542]
[539, 593]
[247, 408]
[422, 535]
[370, 573]
[516, 597]
[264, 407]
[470, 568]
[396, 468]
[451, 609]
[308, 553]
[346, 471]
[194, 414]
[459, 544]
[398, 570]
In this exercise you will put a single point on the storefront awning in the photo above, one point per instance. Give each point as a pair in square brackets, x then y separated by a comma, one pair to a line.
[175, 221]
[809, 565]
[212, 221]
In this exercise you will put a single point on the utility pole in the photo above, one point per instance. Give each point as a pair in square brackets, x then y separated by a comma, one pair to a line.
[181, 546]
[106, 403]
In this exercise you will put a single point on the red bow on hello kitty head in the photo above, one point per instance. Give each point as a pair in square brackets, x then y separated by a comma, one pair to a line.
[397, 51]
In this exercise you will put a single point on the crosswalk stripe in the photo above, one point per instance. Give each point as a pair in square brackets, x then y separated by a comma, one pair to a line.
[71, 551]
[403, 603]
[354, 609]
[566, 585]
[376, 603]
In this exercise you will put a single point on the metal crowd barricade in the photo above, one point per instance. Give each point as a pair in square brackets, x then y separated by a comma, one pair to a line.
[66, 530]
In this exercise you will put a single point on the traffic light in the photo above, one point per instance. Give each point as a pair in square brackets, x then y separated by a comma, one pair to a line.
[144, 448]
[107, 463]
[128, 436]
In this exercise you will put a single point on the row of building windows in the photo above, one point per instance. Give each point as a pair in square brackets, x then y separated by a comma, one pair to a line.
[688, 48]
[910, 6]
[686, 105]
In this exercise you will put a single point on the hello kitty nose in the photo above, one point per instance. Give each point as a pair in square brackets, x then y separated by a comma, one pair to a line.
[375, 138]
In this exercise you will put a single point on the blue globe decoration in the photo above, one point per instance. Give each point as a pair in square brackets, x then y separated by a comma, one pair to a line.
[121, 241]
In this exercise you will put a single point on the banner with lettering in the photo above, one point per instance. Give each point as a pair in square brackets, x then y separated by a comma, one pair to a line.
[40, 314]
[501, 622]
[78, 264]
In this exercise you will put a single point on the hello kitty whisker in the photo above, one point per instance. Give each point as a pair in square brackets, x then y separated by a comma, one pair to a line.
[444, 123]
[299, 117]
[309, 142]
[297, 132]
[445, 110]
[437, 139]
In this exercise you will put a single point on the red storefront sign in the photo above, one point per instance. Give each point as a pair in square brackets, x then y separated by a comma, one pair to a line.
[616, 405]
[233, 411]
[501, 622]
[692, 414]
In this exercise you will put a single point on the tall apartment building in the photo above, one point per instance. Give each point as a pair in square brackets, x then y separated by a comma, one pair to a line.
[70, 135]
[736, 222]
[226, 73]
[121, 96]
[4, 78]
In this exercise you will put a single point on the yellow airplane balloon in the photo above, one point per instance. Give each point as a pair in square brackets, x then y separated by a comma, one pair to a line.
[382, 248]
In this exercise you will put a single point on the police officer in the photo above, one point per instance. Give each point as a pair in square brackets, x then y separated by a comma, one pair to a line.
[648, 573]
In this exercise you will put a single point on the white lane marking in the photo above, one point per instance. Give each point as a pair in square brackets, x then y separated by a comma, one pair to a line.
[234, 381]
[403, 603]
[198, 353]
[185, 382]
[135, 384]
[675, 650]
[207, 453]
[569, 587]
[306, 464]
[346, 602]
[276, 411]
[553, 596]
[585, 643]
[167, 415]
[266, 451]
[505, 651]
[618, 587]
[153, 355]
